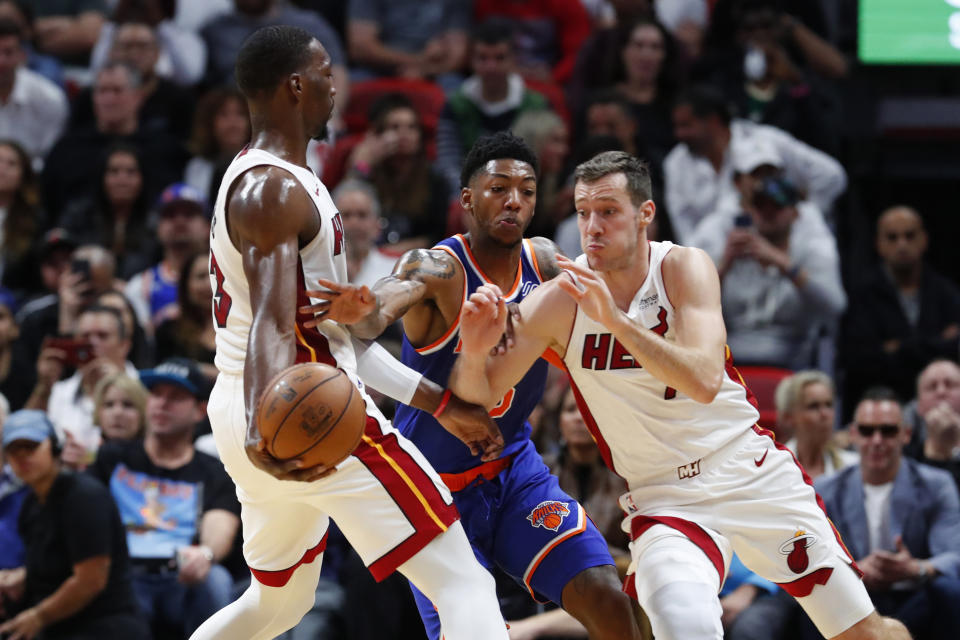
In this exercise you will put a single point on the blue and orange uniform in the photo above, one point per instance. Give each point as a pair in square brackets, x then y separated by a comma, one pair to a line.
[513, 510]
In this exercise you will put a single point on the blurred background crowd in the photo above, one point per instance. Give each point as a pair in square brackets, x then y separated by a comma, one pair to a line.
[812, 164]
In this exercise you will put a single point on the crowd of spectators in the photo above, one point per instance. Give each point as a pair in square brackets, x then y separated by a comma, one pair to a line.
[119, 117]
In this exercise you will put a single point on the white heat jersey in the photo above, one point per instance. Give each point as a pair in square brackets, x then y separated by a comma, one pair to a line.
[642, 427]
[323, 257]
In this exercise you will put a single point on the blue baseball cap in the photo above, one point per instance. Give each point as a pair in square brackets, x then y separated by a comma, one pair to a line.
[27, 424]
[180, 192]
[182, 372]
[8, 300]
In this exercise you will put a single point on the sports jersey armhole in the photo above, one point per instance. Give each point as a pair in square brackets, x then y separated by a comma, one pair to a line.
[533, 258]
[666, 293]
[451, 330]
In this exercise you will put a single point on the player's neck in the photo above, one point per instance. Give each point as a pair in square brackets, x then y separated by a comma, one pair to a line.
[278, 139]
[499, 263]
[624, 282]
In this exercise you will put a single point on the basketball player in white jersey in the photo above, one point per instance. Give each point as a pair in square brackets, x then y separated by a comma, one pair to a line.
[275, 229]
[639, 329]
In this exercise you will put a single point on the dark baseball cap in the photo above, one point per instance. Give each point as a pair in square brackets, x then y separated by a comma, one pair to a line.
[181, 193]
[57, 238]
[182, 372]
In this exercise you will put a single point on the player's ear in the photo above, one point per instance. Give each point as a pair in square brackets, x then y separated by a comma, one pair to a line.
[295, 84]
[647, 211]
[466, 198]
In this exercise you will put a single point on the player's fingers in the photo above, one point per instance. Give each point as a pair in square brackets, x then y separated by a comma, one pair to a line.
[330, 284]
[323, 295]
[315, 307]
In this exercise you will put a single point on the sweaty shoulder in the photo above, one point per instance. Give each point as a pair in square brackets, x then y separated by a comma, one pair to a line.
[546, 251]
[433, 267]
[689, 274]
[267, 205]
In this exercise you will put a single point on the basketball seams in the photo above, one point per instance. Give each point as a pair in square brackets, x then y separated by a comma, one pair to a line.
[302, 397]
[332, 426]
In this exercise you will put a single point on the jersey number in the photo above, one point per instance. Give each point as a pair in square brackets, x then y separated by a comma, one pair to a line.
[221, 299]
[505, 403]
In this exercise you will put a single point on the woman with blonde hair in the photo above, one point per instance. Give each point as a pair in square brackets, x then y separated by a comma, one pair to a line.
[805, 408]
[119, 407]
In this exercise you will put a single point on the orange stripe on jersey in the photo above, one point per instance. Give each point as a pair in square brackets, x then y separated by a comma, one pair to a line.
[442, 340]
[473, 262]
[580, 528]
[554, 358]
[533, 259]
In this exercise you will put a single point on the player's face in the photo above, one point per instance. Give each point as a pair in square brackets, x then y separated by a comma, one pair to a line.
[814, 417]
[879, 452]
[318, 92]
[502, 198]
[611, 226]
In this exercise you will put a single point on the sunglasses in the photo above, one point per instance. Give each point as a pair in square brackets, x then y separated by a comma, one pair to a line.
[886, 430]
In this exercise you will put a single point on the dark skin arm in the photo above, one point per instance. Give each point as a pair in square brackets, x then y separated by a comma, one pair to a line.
[270, 217]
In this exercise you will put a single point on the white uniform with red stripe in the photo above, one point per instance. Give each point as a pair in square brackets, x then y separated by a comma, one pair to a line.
[704, 471]
[386, 498]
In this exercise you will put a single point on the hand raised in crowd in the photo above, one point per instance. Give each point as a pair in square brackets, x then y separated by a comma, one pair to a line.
[50, 364]
[94, 371]
[75, 291]
[373, 149]
[744, 243]
[74, 454]
[943, 431]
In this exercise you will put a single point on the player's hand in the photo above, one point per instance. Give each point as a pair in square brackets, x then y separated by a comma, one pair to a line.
[507, 340]
[483, 320]
[283, 469]
[473, 426]
[343, 303]
[588, 290]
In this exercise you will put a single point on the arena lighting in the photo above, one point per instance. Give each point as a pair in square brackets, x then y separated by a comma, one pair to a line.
[918, 32]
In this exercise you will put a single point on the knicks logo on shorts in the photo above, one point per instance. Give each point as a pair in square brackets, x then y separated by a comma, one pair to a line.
[549, 514]
[796, 550]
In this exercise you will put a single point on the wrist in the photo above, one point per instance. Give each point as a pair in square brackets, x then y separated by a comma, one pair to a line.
[444, 401]
[207, 552]
[38, 614]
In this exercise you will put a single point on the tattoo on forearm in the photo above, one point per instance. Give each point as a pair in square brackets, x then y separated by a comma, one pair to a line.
[423, 262]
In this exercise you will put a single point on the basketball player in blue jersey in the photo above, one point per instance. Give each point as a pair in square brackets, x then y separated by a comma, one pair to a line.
[515, 514]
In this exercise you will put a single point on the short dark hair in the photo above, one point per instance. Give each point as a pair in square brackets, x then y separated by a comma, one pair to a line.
[386, 104]
[610, 162]
[880, 394]
[611, 96]
[10, 28]
[494, 31]
[705, 101]
[497, 146]
[269, 56]
[102, 308]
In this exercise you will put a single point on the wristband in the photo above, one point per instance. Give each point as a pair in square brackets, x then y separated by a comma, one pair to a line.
[444, 401]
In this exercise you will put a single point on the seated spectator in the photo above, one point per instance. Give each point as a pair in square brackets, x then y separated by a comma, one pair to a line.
[178, 503]
[69, 402]
[69, 172]
[409, 38]
[902, 315]
[190, 333]
[547, 135]
[75, 581]
[225, 33]
[358, 206]
[778, 264]
[181, 55]
[141, 349]
[23, 219]
[68, 30]
[901, 522]
[119, 407]
[165, 107]
[33, 110]
[935, 417]
[413, 195]
[12, 493]
[490, 100]
[78, 277]
[221, 127]
[698, 172]
[21, 12]
[51, 253]
[15, 387]
[806, 409]
[115, 217]
[549, 34]
[182, 229]
[609, 114]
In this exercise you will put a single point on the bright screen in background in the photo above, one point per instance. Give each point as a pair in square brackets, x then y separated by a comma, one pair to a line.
[909, 31]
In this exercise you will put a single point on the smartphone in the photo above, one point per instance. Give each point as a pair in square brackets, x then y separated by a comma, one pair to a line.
[743, 220]
[81, 266]
[79, 352]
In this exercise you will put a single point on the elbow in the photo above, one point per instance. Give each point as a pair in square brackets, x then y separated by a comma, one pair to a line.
[707, 388]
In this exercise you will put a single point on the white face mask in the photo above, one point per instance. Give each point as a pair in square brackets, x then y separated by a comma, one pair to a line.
[754, 64]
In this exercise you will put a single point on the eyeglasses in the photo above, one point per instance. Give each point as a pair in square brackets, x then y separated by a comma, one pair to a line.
[886, 430]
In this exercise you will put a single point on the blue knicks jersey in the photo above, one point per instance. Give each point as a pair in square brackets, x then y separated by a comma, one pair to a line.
[445, 452]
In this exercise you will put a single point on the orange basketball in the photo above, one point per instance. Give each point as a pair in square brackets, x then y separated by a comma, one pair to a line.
[552, 521]
[311, 411]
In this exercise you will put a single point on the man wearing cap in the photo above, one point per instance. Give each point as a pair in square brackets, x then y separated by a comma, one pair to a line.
[182, 229]
[178, 504]
[75, 580]
[777, 260]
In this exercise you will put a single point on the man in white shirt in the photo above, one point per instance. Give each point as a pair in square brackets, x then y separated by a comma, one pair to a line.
[33, 110]
[698, 172]
[360, 210]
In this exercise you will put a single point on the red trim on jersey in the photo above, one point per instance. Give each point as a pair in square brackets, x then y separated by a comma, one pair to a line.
[312, 346]
[411, 489]
[736, 377]
[281, 577]
[802, 587]
[693, 531]
[592, 425]
[765, 432]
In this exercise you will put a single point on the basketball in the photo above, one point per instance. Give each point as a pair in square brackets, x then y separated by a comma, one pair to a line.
[311, 411]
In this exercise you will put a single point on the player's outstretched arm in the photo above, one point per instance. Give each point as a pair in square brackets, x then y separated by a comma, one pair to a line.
[544, 323]
[419, 279]
[268, 211]
[694, 363]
